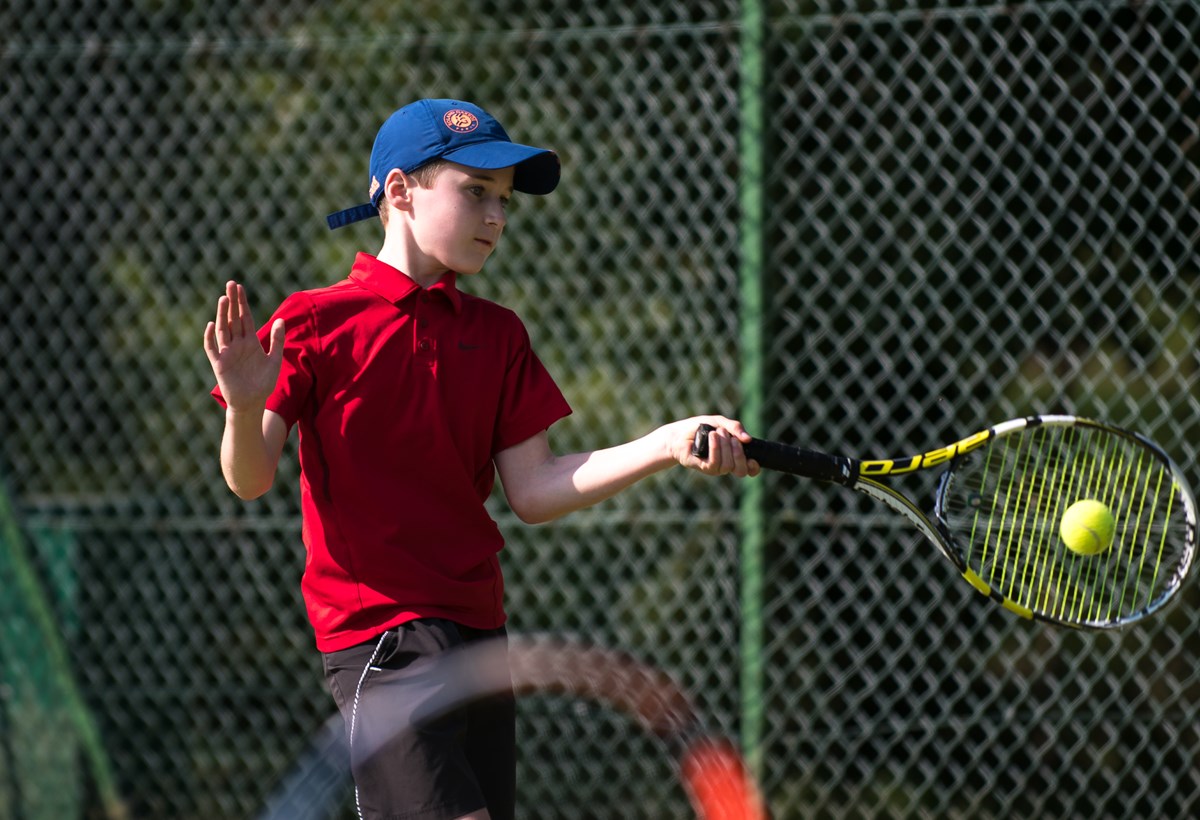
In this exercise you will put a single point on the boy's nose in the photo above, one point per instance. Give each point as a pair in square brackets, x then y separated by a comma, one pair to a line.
[496, 216]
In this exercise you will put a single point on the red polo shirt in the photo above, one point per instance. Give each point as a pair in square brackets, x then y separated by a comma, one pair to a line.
[402, 397]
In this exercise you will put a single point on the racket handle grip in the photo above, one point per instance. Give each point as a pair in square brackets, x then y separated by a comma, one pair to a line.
[784, 458]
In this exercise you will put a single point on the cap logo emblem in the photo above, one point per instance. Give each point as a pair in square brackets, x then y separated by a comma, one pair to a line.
[460, 121]
[374, 186]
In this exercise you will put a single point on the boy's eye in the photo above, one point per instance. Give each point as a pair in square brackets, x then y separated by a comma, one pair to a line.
[480, 191]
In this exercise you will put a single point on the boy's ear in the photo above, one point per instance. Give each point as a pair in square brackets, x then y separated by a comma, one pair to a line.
[397, 189]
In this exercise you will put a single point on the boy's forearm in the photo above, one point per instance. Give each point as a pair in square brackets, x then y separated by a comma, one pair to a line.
[541, 486]
[573, 482]
[246, 462]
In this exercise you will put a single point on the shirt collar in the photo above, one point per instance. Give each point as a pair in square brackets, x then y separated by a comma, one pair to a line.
[392, 284]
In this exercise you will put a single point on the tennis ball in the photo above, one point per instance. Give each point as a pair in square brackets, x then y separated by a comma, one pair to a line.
[1087, 527]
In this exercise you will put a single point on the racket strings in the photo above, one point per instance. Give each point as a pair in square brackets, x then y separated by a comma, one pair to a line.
[1110, 496]
[1090, 581]
[1006, 501]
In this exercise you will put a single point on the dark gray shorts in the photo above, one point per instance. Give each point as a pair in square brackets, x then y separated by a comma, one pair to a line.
[412, 758]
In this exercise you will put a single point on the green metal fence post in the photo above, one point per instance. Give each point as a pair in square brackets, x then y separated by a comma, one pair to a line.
[751, 239]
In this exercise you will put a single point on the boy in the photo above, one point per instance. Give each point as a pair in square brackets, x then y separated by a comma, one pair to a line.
[410, 396]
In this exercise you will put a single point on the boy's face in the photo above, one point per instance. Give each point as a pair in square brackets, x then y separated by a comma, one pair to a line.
[457, 222]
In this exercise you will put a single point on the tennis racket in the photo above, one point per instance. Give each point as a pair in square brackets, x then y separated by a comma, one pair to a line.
[1000, 502]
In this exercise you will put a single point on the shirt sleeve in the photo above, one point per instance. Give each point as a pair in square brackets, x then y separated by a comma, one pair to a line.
[530, 401]
[295, 383]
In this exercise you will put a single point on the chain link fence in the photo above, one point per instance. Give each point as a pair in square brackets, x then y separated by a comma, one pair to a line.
[970, 210]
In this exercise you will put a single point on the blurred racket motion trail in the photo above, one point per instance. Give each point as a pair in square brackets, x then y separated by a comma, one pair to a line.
[712, 771]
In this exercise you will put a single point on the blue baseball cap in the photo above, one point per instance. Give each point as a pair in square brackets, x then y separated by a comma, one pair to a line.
[452, 130]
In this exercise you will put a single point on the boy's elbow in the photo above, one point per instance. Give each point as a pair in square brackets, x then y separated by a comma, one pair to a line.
[529, 515]
[248, 491]
[528, 511]
[249, 494]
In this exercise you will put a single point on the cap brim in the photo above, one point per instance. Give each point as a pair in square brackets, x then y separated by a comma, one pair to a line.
[535, 170]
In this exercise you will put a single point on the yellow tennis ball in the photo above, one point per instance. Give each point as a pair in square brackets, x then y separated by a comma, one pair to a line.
[1087, 527]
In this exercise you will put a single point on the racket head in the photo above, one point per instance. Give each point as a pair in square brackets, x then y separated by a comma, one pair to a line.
[999, 508]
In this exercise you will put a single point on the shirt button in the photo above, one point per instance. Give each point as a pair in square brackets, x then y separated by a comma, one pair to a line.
[423, 345]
